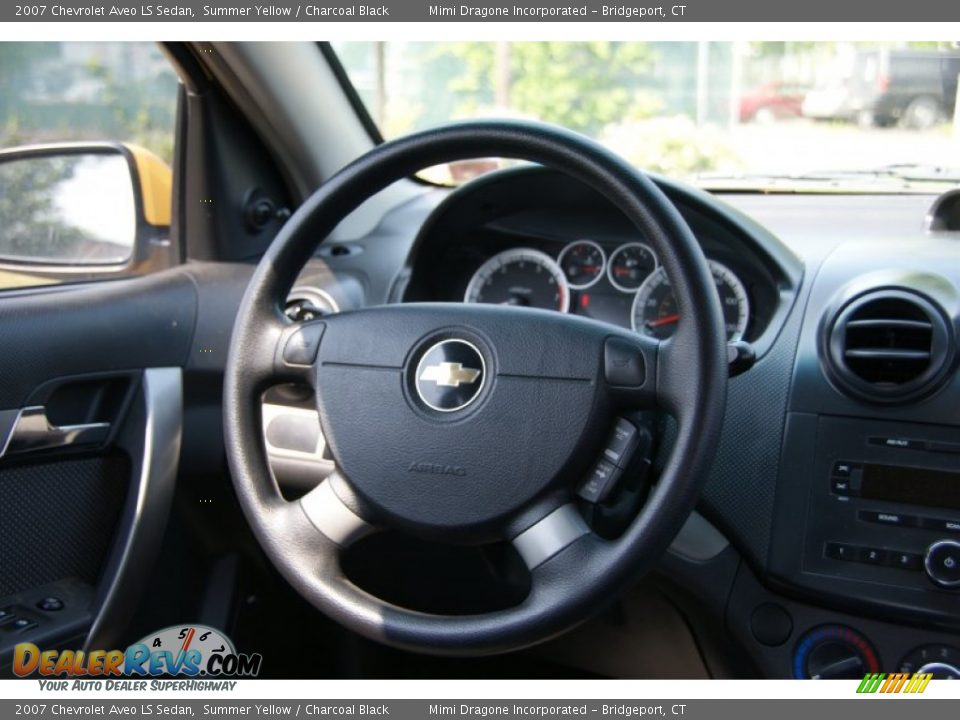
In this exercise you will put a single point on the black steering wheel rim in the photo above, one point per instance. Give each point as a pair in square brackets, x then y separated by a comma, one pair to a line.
[588, 572]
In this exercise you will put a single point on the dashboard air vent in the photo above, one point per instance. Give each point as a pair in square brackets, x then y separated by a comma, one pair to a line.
[889, 346]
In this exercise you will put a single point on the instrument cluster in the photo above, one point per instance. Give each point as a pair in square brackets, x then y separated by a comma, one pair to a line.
[623, 284]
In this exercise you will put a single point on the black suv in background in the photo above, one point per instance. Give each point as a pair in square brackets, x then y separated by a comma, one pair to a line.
[883, 87]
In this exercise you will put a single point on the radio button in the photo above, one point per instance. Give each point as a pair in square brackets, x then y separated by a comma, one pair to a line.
[842, 469]
[944, 447]
[905, 560]
[943, 563]
[841, 551]
[841, 487]
[952, 526]
[889, 518]
[873, 556]
[899, 443]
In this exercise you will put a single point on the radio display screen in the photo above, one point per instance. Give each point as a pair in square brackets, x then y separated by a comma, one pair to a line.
[914, 486]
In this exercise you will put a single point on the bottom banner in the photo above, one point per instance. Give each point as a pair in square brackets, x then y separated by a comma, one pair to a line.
[479, 709]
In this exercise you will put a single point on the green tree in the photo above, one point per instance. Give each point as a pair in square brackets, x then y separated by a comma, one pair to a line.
[584, 86]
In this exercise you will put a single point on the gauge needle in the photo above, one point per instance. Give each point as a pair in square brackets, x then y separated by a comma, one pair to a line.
[667, 320]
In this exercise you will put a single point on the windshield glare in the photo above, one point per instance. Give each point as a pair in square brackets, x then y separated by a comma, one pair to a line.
[772, 111]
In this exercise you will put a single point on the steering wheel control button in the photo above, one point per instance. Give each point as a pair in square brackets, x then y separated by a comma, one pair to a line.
[942, 563]
[623, 364]
[600, 482]
[50, 604]
[302, 346]
[450, 375]
[6, 615]
[621, 444]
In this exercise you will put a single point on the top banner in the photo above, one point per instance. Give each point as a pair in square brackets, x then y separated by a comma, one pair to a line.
[490, 11]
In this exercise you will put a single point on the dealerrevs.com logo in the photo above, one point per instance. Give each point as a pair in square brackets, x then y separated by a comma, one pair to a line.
[190, 651]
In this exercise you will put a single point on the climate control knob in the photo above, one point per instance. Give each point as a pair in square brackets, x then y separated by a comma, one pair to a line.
[832, 652]
[942, 563]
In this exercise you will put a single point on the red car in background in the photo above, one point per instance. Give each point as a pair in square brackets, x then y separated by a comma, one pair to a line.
[772, 101]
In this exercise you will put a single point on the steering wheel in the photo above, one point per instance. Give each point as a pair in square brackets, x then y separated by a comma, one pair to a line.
[472, 424]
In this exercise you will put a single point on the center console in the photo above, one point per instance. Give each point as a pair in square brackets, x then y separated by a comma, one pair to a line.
[867, 509]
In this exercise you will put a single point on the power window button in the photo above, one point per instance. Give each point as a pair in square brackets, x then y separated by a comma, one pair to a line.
[21, 625]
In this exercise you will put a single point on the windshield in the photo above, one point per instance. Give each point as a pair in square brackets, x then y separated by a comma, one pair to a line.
[719, 113]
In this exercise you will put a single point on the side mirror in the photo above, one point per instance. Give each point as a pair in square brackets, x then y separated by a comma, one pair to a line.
[82, 211]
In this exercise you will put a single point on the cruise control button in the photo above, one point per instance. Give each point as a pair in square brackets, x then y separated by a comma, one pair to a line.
[623, 441]
[623, 364]
[600, 482]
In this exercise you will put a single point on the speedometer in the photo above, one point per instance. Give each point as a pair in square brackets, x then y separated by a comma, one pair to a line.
[655, 308]
[520, 276]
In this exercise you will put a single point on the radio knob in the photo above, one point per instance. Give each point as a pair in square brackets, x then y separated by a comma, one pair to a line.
[942, 563]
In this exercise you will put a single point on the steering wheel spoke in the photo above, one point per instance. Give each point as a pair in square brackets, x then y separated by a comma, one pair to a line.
[552, 533]
[333, 517]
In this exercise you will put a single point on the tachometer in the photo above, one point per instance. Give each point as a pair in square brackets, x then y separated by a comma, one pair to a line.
[630, 265]
[655, 308]
[583, 263]
[520, 276]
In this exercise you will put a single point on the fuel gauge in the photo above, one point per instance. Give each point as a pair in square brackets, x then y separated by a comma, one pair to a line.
[630, 265]
[583, 263]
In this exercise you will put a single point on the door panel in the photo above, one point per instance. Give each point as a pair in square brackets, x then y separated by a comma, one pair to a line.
[82, 512]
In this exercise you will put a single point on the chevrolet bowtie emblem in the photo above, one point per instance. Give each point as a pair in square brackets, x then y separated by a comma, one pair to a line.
[449, 374]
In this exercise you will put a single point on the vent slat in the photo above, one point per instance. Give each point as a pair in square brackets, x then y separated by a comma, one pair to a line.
[890, 323]
[886, 354]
